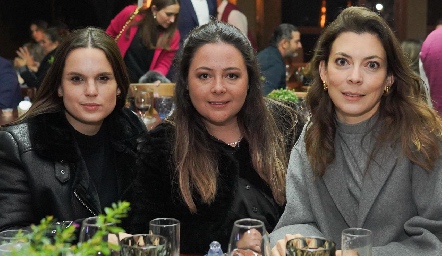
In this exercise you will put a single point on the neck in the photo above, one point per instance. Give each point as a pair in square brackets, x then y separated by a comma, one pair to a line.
[227, 133]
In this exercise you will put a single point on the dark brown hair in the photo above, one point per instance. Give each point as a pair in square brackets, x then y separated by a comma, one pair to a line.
[403, 113]
[192, 152]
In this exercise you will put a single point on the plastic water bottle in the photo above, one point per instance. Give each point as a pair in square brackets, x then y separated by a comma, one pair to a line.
[215, 249]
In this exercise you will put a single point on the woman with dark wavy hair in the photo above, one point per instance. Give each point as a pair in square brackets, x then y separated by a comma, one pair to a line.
[370, 156]
[72, 153]
[223, 154]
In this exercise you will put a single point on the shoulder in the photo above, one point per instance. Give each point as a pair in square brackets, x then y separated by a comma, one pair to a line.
[126, 124]
[16, 135]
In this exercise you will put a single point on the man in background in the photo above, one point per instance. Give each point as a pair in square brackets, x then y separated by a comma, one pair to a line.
[286, 39]
[194, 13]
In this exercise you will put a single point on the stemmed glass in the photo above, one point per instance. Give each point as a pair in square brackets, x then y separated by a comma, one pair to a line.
[143, 101]
[249, 236]
[90, 227]
[164, 106]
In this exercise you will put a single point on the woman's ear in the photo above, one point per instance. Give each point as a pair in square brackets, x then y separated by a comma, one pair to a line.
[323, 70]
[154, 9]
[60, 91]
[118, 91]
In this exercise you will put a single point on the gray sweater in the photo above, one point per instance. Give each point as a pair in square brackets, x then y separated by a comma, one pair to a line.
[396, 199]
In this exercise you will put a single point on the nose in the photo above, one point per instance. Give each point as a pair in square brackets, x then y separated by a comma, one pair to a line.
[172, 19]
[218, 86]
[355, 76]
[91, 89]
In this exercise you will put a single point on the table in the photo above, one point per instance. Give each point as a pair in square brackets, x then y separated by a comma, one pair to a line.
[5, 119]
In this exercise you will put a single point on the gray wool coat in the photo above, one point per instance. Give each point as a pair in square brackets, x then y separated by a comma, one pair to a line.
[401, 203]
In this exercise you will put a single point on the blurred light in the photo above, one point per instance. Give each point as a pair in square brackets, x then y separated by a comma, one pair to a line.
[323, 14]
[379, 7]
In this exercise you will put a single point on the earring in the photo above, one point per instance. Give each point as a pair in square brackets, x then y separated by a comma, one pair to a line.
[387, 89]
[154, 16]
[325, 86]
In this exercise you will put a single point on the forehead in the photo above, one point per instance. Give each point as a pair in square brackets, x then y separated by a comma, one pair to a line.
[296, 35]
[218, 51]
[173, 8]
[354, 44]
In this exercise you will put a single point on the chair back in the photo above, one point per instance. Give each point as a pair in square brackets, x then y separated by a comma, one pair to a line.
[164, 89]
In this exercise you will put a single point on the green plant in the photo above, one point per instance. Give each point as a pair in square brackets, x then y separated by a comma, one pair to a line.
[61, 242]
[283, 94]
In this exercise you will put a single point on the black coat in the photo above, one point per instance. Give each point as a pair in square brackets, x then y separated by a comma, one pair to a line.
[42, 172]
[156, 189]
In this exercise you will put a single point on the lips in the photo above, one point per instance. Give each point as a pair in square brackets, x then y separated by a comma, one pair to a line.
[218, 102]
[349, 94]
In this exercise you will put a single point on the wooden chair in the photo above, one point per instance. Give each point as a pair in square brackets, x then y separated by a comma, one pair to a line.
[164, 89]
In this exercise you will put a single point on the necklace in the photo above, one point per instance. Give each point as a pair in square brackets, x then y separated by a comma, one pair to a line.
[232, 144]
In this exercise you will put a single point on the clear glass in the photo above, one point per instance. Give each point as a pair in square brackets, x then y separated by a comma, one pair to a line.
[169, 228]
[249, 237]
[10, 242]
[144, 245]
[164, 106]
[356, 241]
[309, 246]
[143, 102]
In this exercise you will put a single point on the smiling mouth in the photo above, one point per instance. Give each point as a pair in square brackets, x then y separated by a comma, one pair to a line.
[353, 95]
[218, 103]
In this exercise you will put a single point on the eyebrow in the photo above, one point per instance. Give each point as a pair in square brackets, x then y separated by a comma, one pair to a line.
[225, 69]
[73, 73]
[366, 58]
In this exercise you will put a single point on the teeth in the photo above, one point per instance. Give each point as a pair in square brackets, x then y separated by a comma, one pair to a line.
[351, 95]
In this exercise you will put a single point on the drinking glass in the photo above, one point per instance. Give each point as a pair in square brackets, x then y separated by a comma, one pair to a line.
[143, 245]
[310, 246]
[169, 228]
[9, 241]
[143, 101]
[164, 106]
[356, 241]
[248, 237]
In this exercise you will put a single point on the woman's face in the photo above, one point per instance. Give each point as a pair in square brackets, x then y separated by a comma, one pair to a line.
[356, 76]
[217, 83]
[167, 15]
[88, 88]
[36, 33]
[47, 44]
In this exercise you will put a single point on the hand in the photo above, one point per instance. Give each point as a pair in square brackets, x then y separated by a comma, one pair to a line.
[19, 62]
[347, 253]
[23, 53]
[250, 240]
[113, 239]
[279, 248]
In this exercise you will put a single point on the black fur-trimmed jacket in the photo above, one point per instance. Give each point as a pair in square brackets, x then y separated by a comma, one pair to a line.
[42, 172]
[156, 188]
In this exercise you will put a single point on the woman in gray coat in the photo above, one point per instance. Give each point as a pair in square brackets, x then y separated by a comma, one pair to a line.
[370, 156]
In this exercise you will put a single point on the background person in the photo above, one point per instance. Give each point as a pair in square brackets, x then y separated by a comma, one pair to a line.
[10, 93]
[49, 42]
[72, 153]
[286, 39]
[222, 156]
[371, 155]
[147, 38]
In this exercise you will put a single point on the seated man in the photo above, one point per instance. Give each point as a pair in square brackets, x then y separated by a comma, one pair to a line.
[286, 39]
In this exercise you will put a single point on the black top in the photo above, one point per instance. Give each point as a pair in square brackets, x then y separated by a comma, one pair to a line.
[138, 58]
[96, 152]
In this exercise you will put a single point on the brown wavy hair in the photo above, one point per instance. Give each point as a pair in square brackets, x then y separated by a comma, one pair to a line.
[47, 99]
[404, 115]
[150, 30]
[197, 168]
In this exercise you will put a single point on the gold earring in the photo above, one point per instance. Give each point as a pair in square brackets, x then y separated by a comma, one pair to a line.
[387, 89]
[325, 86]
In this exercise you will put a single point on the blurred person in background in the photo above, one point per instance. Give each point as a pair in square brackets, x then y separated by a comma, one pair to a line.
[285, 40]
[148, 38]
[49, 42]
[10, 93]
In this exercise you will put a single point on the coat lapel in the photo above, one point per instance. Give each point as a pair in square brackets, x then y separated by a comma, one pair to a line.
[379, 171]
[334, 179]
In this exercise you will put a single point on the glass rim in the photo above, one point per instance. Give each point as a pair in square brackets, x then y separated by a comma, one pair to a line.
[364, 232]
[257, 223]
[86, 223]
[156, 222]
[317, 249]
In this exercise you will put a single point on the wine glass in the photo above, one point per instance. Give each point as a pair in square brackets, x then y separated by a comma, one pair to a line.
[89, 227]
[356, 241]
[144, 245]
[143, 101]
[13, 240]
[164, 106]
[249, 236]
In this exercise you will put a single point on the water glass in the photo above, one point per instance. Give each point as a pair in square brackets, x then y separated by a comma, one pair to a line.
[310, 246]
[169, 228]
[356, 241]
[9, 241]
[144, 245]
[164, 106]
[248, 237]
